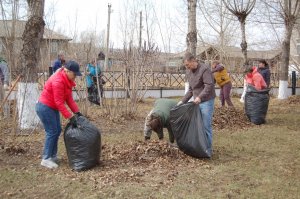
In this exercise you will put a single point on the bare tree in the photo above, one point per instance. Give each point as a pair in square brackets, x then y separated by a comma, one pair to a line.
[191, 38]
[290, 12]
[241, 9]
[221, 22]
[30, 54]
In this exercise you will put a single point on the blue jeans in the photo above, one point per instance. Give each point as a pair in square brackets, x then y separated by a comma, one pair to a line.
[207, 110]
[51, 122]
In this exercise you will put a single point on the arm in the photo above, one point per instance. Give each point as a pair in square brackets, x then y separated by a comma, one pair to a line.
[58, 94]
[72, 104]
[188, 95]
[259, 83]
[208, 84]
[218, 68]
[268, 78]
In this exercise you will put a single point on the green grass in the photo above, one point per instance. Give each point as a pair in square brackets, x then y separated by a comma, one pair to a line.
[260, 162]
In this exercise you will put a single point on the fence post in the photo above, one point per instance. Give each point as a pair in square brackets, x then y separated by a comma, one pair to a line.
[161, 92]
[293, 82]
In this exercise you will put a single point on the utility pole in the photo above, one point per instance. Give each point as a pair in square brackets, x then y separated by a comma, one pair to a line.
[107, 38]
[140, 39]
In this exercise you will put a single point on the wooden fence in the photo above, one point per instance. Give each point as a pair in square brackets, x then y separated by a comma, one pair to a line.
[156, 80]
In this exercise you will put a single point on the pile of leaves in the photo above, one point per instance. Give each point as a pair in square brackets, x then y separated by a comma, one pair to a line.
[294, 100]
[141, 153]
[136, 162]
[230, 118]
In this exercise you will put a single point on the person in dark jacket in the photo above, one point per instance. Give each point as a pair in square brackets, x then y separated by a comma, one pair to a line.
[159, 118]
[202, 88]
[264, 70]
[56, 93]
[59, 62]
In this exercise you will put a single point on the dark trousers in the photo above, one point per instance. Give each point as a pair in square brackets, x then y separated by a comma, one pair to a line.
[225, 94]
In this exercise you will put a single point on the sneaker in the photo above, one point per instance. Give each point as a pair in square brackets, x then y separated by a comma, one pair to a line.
[173, 145]
[49, 163]
[55, 159]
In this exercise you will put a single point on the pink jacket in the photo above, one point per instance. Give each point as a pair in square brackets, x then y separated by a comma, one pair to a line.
[256, 79]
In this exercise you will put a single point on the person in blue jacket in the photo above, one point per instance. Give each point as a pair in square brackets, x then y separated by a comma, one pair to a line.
[93, 71]
[59, 62]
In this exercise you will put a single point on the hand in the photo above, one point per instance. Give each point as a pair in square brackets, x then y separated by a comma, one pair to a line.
[73, 121]
[197, 100]
[179, 103]
[78, 114]
[5, 86]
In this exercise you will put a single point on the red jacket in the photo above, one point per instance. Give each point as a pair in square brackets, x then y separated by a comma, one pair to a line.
[58, 91]
[256, 79]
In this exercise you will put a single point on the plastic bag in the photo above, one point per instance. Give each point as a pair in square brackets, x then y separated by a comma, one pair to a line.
[187, 125]
[256, 104]
[93, 95]
[83, 144]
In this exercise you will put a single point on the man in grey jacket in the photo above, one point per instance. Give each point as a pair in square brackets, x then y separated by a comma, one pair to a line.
[202, 88]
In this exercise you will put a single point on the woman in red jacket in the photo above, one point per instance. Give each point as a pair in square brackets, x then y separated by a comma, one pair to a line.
[57, 91]
[254, 78]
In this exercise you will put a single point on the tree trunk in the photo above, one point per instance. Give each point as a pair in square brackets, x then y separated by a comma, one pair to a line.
[191, 38]
[244, 41]
[30, 55]
[284, 66]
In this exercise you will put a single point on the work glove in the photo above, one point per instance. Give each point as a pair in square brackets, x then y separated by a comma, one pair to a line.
[179, 103]
[73, 120]
[78, 114]
[5, 86]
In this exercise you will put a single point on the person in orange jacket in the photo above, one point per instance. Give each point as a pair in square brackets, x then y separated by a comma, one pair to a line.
[223, 80]
[254, 78]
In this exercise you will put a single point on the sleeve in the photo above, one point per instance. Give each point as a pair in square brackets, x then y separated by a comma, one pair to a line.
[209, 85]
[188, 95]
[58, 93]
[218, 68]
[268, 78]
[259, 82]
[72, 104]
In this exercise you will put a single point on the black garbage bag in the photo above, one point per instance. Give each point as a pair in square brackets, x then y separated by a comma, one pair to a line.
[256, 104]
[83, 144]
[187, 125]
[93, 95]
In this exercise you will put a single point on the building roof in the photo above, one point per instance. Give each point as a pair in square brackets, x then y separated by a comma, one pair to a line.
[6, 28]
[234, 52]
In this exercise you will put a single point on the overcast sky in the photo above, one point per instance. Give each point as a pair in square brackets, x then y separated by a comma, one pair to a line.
[70, 16]
[168, 19]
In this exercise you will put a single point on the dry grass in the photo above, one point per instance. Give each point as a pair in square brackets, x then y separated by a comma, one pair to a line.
[256, 162]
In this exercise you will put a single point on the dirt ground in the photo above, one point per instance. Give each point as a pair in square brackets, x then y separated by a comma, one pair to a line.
[249, 161]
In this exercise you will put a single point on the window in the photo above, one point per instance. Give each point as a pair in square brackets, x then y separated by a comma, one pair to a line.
[54, 47]
[172, 63]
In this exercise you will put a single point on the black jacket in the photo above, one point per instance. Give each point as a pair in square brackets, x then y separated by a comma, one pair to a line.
[265, 72]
